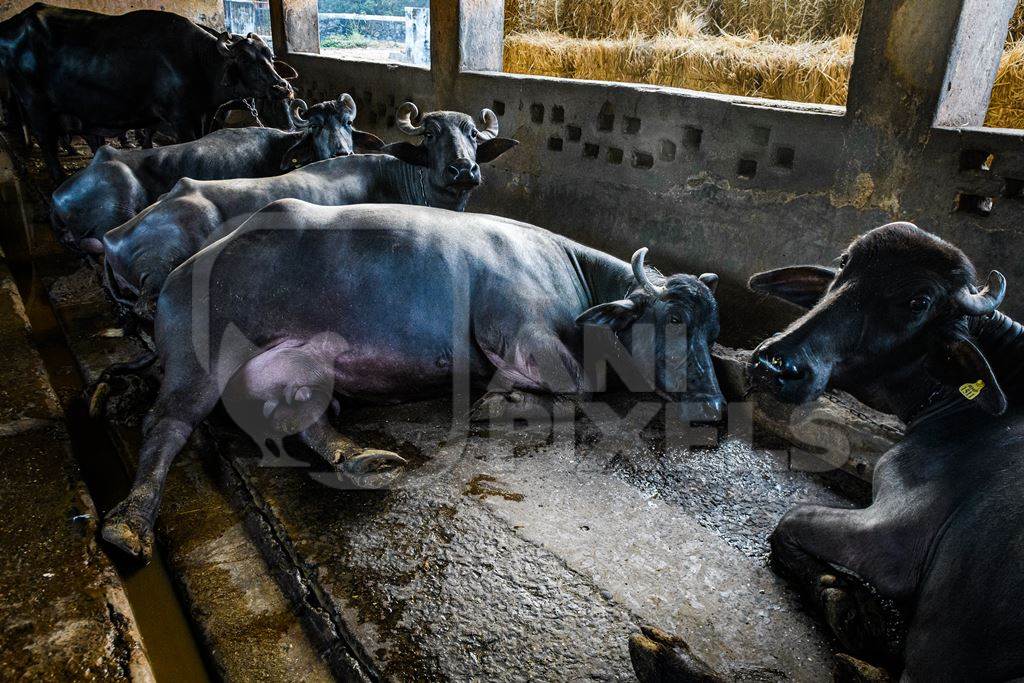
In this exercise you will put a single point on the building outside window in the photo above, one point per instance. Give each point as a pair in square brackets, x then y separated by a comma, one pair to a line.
[376, 30]
[248, 16]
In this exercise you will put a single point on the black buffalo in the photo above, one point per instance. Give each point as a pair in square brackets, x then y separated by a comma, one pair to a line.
[79, 71]
[119, 183]
[902, 325]
[441, 171]
[926, 580]
[388, 302]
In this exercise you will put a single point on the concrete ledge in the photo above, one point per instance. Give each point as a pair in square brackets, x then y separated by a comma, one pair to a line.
[27, 401]
[63, 610]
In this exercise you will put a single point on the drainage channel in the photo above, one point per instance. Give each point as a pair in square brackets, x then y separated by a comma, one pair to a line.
[171, 644]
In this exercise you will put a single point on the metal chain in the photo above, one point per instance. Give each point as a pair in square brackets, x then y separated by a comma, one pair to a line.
[250, 102]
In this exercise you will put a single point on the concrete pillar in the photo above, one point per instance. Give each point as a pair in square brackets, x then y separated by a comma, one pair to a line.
[277, 32]
[921, 62]
[444, 48]
[481, 34]
[466, 35]
[974, 62]
[294, 26]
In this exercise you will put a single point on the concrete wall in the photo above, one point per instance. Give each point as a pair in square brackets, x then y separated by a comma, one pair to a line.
[208, 12]
[732, 184]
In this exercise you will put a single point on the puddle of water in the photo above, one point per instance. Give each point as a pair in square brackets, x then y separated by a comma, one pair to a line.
[170, 643]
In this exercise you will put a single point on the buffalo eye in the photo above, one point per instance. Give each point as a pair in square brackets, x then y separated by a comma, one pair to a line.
[920, 304]
[428, 135]
[843, 260]
[676, 319]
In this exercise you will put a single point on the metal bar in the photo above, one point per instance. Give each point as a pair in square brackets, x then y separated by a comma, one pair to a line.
[361, 17]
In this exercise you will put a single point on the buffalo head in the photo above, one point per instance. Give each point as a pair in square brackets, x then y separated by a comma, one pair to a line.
[890, 317]
[452, 146]
[669, 324]
[328, 132]
[249, 71]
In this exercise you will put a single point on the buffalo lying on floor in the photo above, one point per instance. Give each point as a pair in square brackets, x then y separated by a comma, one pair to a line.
[927, 578]
[106, 74]
[388, 302]
[442, 171]
[119, 183]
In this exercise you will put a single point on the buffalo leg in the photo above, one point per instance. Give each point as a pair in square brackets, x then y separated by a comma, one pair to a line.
[659, 657]
[532, 373]
[67, 147]
[49, 139]
[47, 131]
[343, 453]
[177, 412]
[825, 551]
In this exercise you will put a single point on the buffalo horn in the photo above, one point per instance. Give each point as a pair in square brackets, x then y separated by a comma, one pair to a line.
[641, 275]
[490, 129]
[224, 43]
[404, 118]
[296, 109]
[985, 301]
[346, 103]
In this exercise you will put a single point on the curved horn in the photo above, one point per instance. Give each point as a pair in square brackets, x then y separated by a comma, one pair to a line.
[346, 103]
[641, 275]
[296, 109]
[490, 129]
[404, 118]
[985, 301]
[279, 63]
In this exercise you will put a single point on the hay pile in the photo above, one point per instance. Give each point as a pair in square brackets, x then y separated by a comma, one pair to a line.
[1006, 108]
[799, 50]
[780, 20]
[803, 72]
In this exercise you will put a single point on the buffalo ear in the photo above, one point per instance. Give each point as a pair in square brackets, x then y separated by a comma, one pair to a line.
[957, 362]
[366, 142]
[407, 152]
[800, 285]
[489, 150]
[230, 75]
[617, 315]
[299, 154]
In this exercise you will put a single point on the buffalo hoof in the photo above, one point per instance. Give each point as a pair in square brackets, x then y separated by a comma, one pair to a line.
[659, 657]
[98, 400]
[863, 622]
[373, 469]
[851, 670]
[130, 533]
[372, 460]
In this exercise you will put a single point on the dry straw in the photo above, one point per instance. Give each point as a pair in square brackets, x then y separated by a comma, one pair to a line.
[804, 72]
[798, 50]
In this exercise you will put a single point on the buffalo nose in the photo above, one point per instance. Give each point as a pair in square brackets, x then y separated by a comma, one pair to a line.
[704, 409]
[464, 172]
[775, 368]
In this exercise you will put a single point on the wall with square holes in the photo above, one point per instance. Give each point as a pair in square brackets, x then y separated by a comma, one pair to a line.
[711, 183]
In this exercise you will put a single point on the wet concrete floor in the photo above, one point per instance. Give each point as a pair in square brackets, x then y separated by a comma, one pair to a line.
[505, 555]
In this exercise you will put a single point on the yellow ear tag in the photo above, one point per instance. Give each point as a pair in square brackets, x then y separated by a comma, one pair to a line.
[971, 391]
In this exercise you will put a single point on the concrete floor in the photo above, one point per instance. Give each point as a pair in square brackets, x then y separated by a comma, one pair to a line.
[513, 555]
